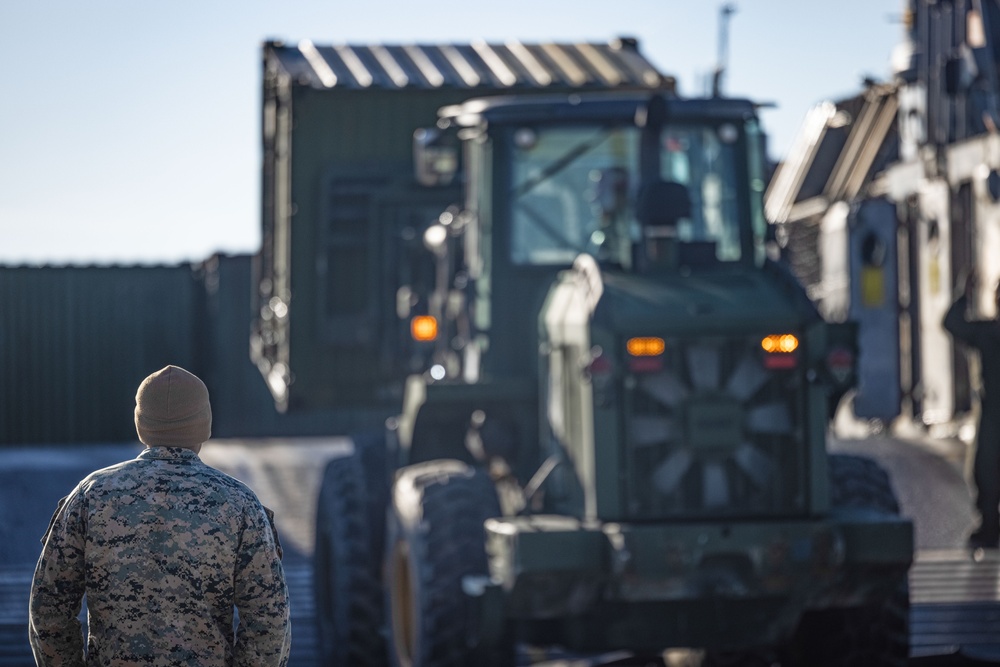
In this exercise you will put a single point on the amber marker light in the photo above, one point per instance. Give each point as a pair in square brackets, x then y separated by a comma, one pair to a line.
[779, 348]
[424, 328]
[780, 343]
[645, 347]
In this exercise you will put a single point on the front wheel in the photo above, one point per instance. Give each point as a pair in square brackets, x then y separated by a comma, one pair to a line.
[857, 482]
[877, 633]
[435, 539]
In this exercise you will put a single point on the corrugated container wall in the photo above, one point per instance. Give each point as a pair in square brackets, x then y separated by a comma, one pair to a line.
[75, 342]
[360, 144]
[242, 407]
[241, 404]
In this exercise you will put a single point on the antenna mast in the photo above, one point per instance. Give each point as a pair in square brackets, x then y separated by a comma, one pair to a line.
[725, 12]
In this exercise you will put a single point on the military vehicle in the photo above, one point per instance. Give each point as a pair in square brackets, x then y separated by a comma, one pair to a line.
[620, 443]
[342, 214]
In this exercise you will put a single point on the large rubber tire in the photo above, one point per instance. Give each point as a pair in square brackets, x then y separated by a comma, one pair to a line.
[860, 483]
[347, 583]
[435, 538]
[878, 633]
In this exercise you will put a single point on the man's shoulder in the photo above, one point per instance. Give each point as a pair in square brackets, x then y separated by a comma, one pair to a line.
[221, 478]
[196, 475]
[109, 473]
[232, 487]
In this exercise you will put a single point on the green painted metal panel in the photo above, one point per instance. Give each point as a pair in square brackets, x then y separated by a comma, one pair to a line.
[347, 133]
[75, 342]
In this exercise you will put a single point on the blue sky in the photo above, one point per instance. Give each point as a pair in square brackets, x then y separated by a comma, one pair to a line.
[129, 129]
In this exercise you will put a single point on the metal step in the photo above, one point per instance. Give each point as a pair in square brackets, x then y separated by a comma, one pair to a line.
[15, 584]
[955, 604]
[14, 648]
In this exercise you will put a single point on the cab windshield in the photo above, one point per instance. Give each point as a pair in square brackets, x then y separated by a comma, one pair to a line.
[577, 189]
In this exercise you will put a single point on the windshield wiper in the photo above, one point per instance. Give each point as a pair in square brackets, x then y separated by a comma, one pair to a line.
[567, 159]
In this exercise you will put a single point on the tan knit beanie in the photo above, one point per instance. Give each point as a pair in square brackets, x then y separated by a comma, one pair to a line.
[172, 409]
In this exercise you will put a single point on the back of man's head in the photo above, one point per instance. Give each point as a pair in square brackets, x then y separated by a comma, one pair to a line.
[172, 409]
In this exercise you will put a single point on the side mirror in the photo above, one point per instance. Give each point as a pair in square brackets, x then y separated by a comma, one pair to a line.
[435, 156]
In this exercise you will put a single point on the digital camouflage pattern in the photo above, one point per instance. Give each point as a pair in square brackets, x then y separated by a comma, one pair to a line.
[165, 547]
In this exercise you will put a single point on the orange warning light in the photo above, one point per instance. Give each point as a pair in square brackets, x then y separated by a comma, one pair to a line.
[645, 347]
[424, 328]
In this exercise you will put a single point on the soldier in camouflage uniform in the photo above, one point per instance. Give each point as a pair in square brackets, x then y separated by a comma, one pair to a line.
[165, 549]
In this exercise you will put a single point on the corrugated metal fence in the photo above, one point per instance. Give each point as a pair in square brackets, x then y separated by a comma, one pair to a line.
[76, 341]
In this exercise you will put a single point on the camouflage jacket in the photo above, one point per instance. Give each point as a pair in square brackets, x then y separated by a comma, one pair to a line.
[165, 548]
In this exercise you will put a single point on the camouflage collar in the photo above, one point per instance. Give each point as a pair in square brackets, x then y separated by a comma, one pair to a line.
[168, 454]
